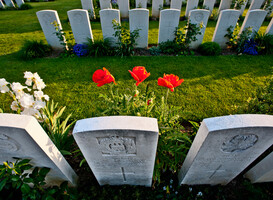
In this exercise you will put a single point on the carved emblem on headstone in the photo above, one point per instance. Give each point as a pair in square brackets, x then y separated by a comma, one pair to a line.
[47, 18]
[239, 143]
[116, 145]
[7, 144]
[199, 17]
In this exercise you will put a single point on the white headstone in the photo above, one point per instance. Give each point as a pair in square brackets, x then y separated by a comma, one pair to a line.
[21, 136]
[224, 147]
[157, 6]
[225, 4]
[209, 4]
[124, 8]
[269, 29]
[168, 22]
[167, 2]
[2, 4]
[88, 5]
[106, 18]
[46, 18]
[19, 2]
[80, 25]
[119, 149]
[256, 4]
[192, 4]
[198, 17]
[9, 3]
[176, 4]
[105, 4]
[263, 171]
[253, 19]
[141, 4]
[139, 19]
[227, 18]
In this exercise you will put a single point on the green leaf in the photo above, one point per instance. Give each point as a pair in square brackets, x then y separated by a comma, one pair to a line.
[65, 153]
[3, 183]
[44, 171]
[25, 188]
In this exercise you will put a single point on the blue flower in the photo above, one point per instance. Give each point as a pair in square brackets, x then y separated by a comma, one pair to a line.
[80, 50]
[250, 47]
[114, 1]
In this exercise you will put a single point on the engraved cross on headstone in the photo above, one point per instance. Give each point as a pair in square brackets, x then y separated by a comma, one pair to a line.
[124, 174]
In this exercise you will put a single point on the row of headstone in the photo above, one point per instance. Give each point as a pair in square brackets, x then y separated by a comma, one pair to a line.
[2, 4]
[10, 3]
[139, 19]
[121, 150]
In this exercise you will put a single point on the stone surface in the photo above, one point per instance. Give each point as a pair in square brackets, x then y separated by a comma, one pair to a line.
[157, 6]
[209, 4]
[124, 8]
[176, 4]
[105, 4]
[256, 4]
[254, 19]
[224, 147]
[167, 2]
[263, 171]
[80, 25]
[269, 29]
[2, 4]
[119, 149]
[9, 3]
[199, 16]
[88, 5]
[141, 4]
[227, 18]
[46, 18]
[139, 19]
[19, 2]
[225, 4]
[21, 136]
[106, 18]
[192, 4]
[169, 20]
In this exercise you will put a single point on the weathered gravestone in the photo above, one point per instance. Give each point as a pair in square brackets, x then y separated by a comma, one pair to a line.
[106, 18]
[139, 20]
[209, 4]
[119, 149]
[254, 20]
[225, 4]
[46, 18]
[200, 18]
[227, 18]
[269, 29]
[263, 171]
[157, 5]
[88, 5]
[21, 136]
[176, 4]
[19, 2]
[224, 147]
[124, 8]
[168, 22]
[2, 4]
[256, 4]
[192, 4]
[141, 4]
[105, 4]
[9, 3]
[80, 25]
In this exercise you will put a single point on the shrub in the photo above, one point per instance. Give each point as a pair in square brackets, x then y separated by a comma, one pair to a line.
[264, 43]
[100, 48]
[155, 51]
[25, 6]
[34, 49]
[169, 47]
[209, 49]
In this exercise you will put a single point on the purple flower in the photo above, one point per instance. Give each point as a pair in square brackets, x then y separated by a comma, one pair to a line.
[80, 50]
[114, 1]
[250, 47]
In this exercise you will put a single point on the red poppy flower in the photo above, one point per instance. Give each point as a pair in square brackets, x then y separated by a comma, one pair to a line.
[139, 73]
[170, 81]
[102, 77]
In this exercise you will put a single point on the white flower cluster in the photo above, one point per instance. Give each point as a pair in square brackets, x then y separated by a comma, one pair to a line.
[23, 102]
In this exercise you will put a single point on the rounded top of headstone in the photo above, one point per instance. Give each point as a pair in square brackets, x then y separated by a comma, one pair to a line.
[230, 10]
[117, 123]
[238, 121]
[109, 10]
[15, 120]
[139, 10]
[200, 10]
[170, 9]
[77, 10]
[46, 11]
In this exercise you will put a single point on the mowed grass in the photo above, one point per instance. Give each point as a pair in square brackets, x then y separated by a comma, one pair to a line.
[19, 25]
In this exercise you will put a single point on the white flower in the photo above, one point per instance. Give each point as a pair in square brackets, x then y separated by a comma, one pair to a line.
[29, 76]
[3, 85]
[38, 82]
[46, 97]
[31, 112]
[28, 82]
[27, 101]
[38, 94]
[18, 89]
[14, 106]
[39, 104]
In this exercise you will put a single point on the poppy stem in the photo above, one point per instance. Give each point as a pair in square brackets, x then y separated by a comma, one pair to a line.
[167, 96]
